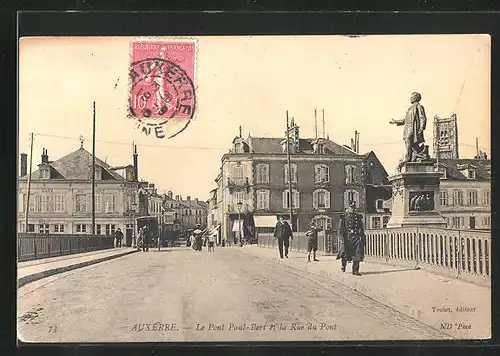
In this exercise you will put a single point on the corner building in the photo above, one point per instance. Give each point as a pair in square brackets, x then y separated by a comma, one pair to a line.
[254, 185]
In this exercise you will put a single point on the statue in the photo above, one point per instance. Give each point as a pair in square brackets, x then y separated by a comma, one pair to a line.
[414, 123]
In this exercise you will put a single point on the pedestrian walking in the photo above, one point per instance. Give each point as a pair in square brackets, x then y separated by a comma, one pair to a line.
[198, 236]
[145, 239]
[312, 241]
[211, 241]
[140, 239]
[283, 232]
[119, 237]
[352, 236]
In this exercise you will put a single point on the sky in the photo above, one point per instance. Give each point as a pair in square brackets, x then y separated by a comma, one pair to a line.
[360, 83]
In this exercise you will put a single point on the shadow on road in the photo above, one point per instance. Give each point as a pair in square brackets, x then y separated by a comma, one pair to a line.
[391, 271]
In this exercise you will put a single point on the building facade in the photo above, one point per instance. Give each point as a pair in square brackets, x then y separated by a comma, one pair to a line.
[465, 193]
[60, 199]
[254, 184]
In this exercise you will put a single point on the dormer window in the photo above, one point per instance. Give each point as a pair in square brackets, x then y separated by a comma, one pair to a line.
[318, 146]
[380, 204]
[44, 173]
[98, 173]
[471, 173]
[129, 173]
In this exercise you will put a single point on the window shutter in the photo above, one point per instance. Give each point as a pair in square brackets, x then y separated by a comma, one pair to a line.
[286, 173]
[74, 202]
[89, 203]
[20, 202]
[315, 199]
[266, 171]
[316, 173]
[327, 173]
[285, 205]
[50, 202]
[297, 199]
[327, 197]
[346, 199]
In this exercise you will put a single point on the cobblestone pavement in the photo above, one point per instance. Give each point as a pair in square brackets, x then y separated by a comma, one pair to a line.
[179, 294]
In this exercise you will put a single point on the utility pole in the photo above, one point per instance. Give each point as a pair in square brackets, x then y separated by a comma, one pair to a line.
[29, 183]
[290, 192]
[93, 173]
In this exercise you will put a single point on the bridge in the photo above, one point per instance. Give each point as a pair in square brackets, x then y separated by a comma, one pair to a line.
[416, 283]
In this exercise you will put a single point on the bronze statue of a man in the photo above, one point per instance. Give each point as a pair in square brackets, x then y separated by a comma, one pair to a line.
[414, 123]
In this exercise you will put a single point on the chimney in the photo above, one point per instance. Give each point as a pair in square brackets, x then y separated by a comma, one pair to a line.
[136, 167]
[241, 131]
[196, 200]
[45, 157]
[188, 198]
[177, 197]
[24, 164]
[169, 194]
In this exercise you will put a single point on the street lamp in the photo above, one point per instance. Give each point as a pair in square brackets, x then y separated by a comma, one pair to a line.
[134, 207]
[239, 204]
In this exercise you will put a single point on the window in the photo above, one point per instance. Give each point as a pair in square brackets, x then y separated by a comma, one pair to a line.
[321, 148]
[321, 173]
[44, 228]
[455, 222]
[44, 173]
[385, 221]
[323, 222]
[380, 204]
[110, 229]
[351, 174]
[349, 196]
[110, 203]
[262, 199]
[58, 228]
[239, 197]
[295, 199]
[81, 228]
[31, 227]
[293, 173]
[81, 203]
[473, 197]
[321, 199]
[487, 221]
[98, 173]
[375, 222]
[471, 174]
[444, 198]
[43, 206]
[98, 229]
[486, 197]
[129, 174]
[98, 204]
[458, 197]
[59, 203]
[21, 202]
[238, 174]
[262, 173]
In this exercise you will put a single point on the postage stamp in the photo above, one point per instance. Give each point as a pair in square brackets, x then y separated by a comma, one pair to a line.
[162, 85]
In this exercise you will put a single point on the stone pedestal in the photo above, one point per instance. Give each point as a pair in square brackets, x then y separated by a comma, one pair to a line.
[416, 196]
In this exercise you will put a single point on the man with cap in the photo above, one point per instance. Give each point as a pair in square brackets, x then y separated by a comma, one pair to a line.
[353, 239]
[119, 237]
[312, 241]
[283, 233]
[414, 126]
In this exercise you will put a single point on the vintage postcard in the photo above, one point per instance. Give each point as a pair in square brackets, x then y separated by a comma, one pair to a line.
[254, 188]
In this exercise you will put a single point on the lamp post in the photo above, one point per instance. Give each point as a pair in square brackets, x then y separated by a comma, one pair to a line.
[239, 204]
[134, 207]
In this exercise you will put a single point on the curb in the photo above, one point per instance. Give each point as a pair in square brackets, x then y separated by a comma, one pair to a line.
[50, 272]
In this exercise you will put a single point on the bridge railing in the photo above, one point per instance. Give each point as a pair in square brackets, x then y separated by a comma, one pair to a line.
[32, 246]
[464, 254]
[327, 242]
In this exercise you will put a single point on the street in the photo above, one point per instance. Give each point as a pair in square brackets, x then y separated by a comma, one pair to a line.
[178, 294]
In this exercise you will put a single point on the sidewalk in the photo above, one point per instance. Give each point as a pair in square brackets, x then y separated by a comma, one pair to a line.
[419, 294]
[30, 271]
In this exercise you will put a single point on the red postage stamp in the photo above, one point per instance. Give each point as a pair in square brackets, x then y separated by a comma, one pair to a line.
[162, 81]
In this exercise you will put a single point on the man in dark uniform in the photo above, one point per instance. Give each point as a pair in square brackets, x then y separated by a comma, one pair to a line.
[352, 234]
[119, 237]
[312, 241]
[283, 233]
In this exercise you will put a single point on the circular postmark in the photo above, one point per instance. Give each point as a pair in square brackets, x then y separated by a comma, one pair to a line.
[161, 92]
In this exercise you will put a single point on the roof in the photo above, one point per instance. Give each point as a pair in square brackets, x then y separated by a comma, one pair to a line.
[77, 165]
[481, 166]
[374, 193]
[273, 146]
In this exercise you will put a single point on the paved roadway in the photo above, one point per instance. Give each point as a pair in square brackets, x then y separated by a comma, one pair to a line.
[202, 296]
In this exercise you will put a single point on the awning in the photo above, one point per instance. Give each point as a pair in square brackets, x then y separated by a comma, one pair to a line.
[236, 226]
[265, 220]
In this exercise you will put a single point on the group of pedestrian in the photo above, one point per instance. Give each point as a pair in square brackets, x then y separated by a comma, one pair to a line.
[143, 239]
[351, 234]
